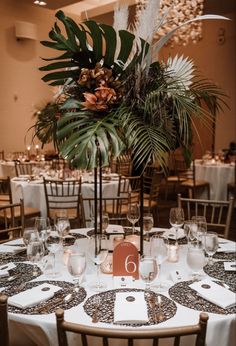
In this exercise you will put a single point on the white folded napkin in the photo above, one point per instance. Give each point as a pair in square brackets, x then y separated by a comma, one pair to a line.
[215, 293]
[113, 229]
[7, 266]
[227, 247]
[33, 296]
[130, 307]
[11, 249]
[171, 233]
[230, 266]
[4, 273]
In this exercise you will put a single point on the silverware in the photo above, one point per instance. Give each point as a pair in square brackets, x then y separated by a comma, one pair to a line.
[178, 275]
[160, 314]
[13, 277]
[95, 317]
[152, 303]
[55, 302]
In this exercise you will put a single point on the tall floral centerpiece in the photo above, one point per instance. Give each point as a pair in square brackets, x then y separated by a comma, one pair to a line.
[115, 94]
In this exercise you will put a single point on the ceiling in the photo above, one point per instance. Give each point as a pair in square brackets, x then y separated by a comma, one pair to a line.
[211, 6]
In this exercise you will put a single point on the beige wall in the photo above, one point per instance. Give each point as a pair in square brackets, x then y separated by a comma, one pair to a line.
[21, 88]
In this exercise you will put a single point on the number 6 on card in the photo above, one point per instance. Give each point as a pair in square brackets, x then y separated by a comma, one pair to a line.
[126, 260]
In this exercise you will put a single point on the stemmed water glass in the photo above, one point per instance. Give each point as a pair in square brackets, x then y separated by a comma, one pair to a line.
[148, 270]
[211, 244]
[201, 227]
[76, 266]
[63, 225]
[190, 229]
[196, 260]
[133, 215]
[159, 251]
[176, 219]
[53, 243]
[42, 226]
[27, 234]
[97, 252]
[35, 250]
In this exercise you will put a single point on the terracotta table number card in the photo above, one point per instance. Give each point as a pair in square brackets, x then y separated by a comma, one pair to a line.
[126, 260]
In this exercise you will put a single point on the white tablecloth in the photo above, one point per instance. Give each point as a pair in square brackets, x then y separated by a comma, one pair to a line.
[34, 196]
[40, 330]
[218, 175]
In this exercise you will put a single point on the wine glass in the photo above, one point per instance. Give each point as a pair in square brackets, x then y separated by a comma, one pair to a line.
[76, 265]
[53, 243]
[28, 233]
[98, 251]
[176, 219]
[190, 229]
[201, 227]
[147, 222]
[196, 260]
[42, 226]
[211, 244]
[63, 225]
[133, 215]
[147, 270]
[159, 251]
[35, 251]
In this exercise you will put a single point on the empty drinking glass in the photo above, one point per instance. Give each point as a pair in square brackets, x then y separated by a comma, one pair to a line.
[201, 227]
[27, 234]
[133, 215]
[176, 219]
[211, 245]
[53, 243]
[98, 251]
[35, 251]
[159, 251]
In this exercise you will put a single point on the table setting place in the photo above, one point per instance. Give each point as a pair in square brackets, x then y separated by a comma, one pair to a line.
[106, 275]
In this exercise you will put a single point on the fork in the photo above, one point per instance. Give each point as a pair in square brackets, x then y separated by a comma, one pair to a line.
[95, 318]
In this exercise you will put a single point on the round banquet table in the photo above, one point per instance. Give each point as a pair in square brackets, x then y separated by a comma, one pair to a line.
[218, 175]
[34, 195]
[40, 330]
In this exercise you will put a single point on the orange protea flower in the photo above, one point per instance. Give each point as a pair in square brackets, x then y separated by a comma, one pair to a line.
[91, 102]
[100, 100]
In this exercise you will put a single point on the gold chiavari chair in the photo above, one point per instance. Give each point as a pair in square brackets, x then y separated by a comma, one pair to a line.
[129, 335]
[217, 213]
[64, 195]
[25, 168]
[11, 221]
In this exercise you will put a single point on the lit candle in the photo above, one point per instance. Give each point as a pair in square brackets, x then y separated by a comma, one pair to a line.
[37, 149]
[173, 253]
[28, 151]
